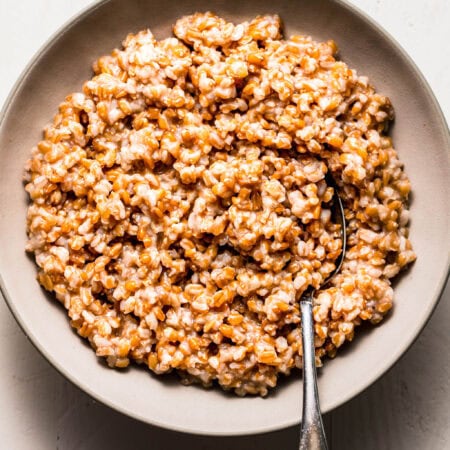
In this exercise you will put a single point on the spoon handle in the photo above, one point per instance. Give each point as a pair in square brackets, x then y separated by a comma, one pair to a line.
[312, 435]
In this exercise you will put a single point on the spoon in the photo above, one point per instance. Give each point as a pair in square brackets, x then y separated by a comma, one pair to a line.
[312, 436]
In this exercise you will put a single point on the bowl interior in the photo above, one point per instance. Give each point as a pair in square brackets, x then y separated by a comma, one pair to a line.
[420, 136]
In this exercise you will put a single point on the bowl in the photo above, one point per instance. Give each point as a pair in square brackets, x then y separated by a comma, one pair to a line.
[420, 136]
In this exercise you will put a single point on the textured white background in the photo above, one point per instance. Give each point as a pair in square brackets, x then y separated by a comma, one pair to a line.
[407, 409]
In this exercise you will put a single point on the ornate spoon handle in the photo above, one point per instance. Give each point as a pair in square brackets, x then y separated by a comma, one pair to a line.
[312, 433]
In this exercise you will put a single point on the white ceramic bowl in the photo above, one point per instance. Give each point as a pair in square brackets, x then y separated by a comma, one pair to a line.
[420, 136]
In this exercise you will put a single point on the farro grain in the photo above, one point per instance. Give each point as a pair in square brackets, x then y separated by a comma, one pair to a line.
[179, 206]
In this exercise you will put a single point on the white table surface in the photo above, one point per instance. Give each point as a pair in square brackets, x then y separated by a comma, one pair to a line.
[407, 409]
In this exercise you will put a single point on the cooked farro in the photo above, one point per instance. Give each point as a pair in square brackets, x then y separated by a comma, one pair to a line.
[179, 206]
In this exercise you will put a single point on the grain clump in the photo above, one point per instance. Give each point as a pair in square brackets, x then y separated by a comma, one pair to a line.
[179, 206]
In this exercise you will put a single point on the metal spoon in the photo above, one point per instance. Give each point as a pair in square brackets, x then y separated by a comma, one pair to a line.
[312, 435]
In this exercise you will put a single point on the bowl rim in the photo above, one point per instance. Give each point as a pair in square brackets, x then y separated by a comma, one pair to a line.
[79, 16]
